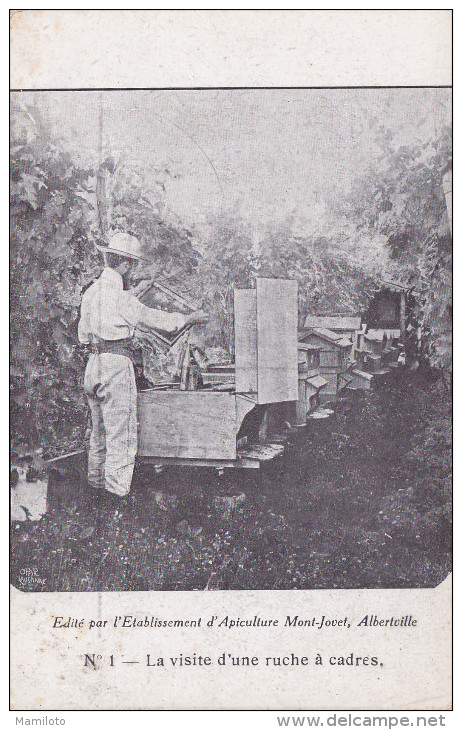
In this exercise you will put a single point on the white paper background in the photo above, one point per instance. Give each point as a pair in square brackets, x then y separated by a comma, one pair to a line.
[123, 48]
[49, 663]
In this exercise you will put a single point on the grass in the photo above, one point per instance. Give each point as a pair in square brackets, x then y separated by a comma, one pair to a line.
[359, 500]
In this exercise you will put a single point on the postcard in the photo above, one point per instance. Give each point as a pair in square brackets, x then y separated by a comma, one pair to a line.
[231, 360]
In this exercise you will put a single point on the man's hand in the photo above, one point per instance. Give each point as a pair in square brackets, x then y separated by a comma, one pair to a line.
[198, 317]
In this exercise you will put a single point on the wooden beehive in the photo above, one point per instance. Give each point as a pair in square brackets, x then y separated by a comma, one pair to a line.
[200, 426]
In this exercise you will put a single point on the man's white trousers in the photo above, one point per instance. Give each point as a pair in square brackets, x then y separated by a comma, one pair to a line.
[111, 391]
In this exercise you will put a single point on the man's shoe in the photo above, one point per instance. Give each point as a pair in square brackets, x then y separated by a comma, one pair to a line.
[98, 498]
[90, 494]
[120, 505]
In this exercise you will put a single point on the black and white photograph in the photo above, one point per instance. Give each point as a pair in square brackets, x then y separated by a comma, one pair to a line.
[230, 338]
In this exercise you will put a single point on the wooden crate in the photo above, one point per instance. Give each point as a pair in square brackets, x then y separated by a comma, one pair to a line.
[187, 424]
[197, 424]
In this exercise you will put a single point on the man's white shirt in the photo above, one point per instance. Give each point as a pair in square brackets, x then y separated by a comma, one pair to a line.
[111, 313]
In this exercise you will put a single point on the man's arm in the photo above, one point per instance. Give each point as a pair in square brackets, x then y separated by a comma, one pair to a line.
[138, 314]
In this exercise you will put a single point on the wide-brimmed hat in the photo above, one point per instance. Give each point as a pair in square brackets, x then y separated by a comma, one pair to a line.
[123, 244]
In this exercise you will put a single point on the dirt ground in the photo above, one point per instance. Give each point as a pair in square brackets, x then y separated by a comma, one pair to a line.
[359, 500]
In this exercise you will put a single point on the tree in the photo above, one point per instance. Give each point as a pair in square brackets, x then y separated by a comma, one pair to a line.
[50, 261]
[402, 199]
[235, 254]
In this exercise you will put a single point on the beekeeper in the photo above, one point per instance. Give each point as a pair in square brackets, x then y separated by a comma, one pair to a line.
[109, 316]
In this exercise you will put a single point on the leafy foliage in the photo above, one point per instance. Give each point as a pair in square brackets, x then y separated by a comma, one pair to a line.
[50, 261]
[402, 199]
[235, 254]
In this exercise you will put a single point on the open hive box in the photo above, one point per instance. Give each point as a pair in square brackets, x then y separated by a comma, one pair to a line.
[230, 428]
